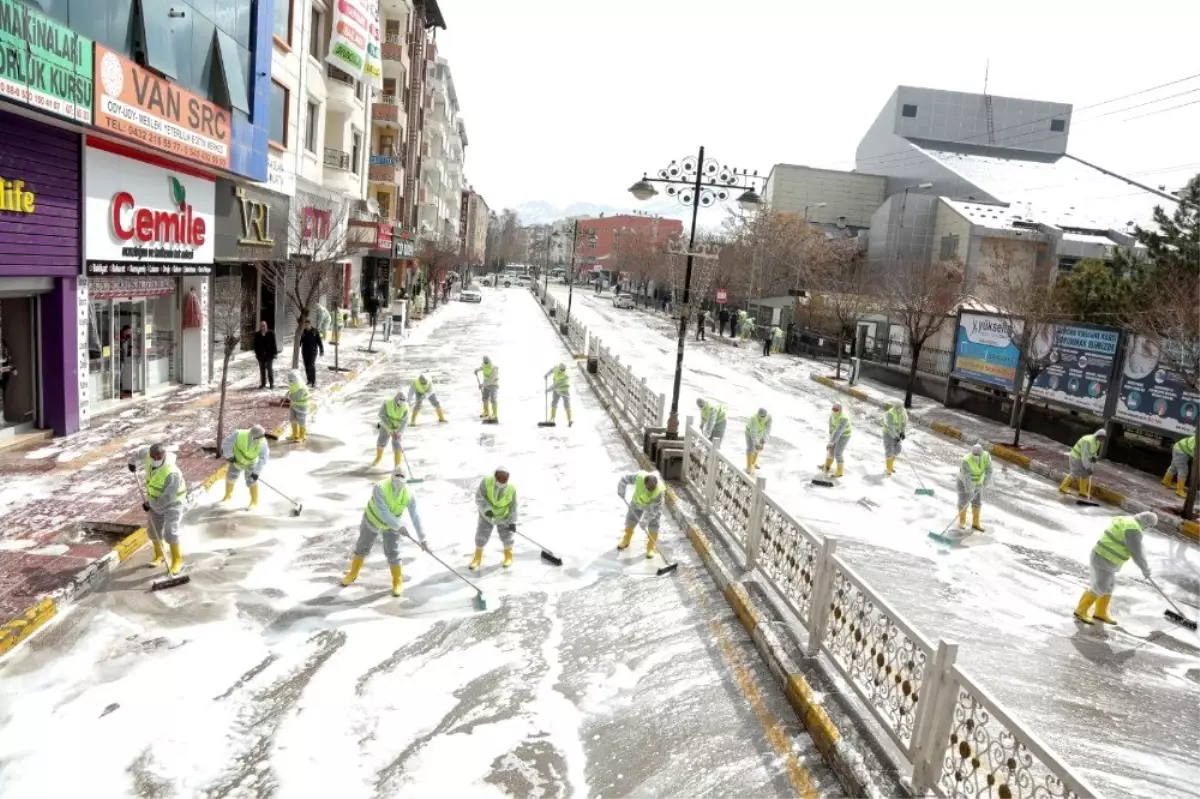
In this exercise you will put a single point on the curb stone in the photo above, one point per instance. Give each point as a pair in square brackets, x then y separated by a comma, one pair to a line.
[96, 573]
[1166, 523]
[836, 751]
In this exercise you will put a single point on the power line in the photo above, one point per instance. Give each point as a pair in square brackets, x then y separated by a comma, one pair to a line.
[1148, 102]
[1161, 111]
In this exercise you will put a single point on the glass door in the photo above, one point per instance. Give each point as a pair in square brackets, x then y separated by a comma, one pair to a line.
[102, 349]
[131, 347]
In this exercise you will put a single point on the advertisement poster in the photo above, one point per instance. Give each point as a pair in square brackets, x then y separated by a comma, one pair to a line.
[1152, 395]
[44, 64]
[141, 106]
[350, 37]
[373, 67]
[983, 351]
[1082, 364]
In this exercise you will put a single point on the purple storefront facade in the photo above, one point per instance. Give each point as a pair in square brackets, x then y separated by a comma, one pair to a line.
[40, 292]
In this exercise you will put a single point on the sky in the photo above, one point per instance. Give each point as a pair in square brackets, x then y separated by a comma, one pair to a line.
[566, 101]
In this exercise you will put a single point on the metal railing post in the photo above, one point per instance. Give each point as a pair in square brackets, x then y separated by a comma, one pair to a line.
[710, 484]
[662, 411]
[822, 594]
[931, 729]
[754, 528]
[687, 448]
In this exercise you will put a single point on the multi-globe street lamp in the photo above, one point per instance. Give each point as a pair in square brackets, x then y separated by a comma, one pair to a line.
[699, 183]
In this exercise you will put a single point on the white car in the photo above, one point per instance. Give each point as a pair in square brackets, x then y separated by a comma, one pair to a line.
[471, 294]
[623, 301]
[524, 281]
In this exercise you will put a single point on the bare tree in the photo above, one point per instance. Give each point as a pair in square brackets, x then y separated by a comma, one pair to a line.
[437, 257]
[922, 294]
[834, 273]
[227, 300]
[318, 243]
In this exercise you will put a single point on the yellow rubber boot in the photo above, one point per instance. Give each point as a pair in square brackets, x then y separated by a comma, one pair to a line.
[1085, 604]
[570, 421]
[975, 525]
[355, 564]
[484, 415]
[413, 420]
[303, 433]
[840, 467]
[749, 462]
[1065, 485]
[828, 463]
[507, 557]
[1102, 610]
[962, 519]
[176, 560]
[495, 412]
[441, 416]
[397, 586]
[157, 560]
[254, 495]
[378, 456]
[396, 458]
[1085, 487]
[891, 465]
[228, 492]
[626, 539]
[1181, 487]
[1168, 478]
[651, 541]
[478, 559]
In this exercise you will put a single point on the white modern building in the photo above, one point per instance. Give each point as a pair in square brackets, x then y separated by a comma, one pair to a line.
[442, 182]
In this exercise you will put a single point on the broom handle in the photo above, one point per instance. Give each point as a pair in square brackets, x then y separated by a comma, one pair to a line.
[411, 472]
[960, 510]
[1164, 595]
[277, 491]
[429, 552]
[914, 469]
[535, 543]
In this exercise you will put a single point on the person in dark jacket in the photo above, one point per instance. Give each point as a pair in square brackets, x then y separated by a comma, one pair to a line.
[265, 351]
[700, 319]
[310, 346]
[722, 320]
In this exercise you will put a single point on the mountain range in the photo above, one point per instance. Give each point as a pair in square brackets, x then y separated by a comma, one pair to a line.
[540, 212]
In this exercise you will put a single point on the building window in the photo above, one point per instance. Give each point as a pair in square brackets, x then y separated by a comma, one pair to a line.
[310, 126]
[949, 248]
[283, 22]
[385, 204]
[908, 110]
[1058, 125]
[355, 151]
[317, 33]
[280, 100]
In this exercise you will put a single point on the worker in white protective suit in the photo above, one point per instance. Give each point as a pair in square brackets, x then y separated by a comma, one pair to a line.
[489, 387]
[421, 390]
[384, 516]
[393, 419]
[1082, 462]
[1122, 540]
[839, 437]
[646, 506]
[560, 389]
[895, 424]
[166, 496]
[712, 421]
[247, 452]
[974, 475]
[758, 427]
[298, 405]
[496, 501]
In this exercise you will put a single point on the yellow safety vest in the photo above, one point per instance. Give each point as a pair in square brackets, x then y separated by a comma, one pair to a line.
[837, 417]
[978, 470]
[395, 413]
[1111, 545]
[501, 503]
[711, 409]
[757, 426]
[298, 396]
[245, 450]
[396, 501]
[1187, 446]
[422, 388]
[643, 496]
[157, 481]
[562, 380]
[490, 378]
[894, 420]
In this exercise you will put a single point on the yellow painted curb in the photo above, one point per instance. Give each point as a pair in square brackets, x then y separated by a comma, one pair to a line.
[17, 630]
[862, 395]
[824, 734]
[699, 542]
[947, 430]
[737, 598]
[130, 544]
[1191, 530]
[212, 479]
[1107, 495]
[1006, 454]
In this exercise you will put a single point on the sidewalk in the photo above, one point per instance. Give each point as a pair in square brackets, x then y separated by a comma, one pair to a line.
[72, 510]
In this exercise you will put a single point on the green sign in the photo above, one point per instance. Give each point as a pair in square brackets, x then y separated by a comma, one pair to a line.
[44, 64]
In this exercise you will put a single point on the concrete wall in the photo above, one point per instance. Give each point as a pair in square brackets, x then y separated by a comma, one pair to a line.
[960, 117]
[948, 222]
[852, 195]
[996, 256]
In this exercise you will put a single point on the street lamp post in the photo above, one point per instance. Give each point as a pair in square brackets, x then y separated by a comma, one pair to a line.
[571, 279]
[550, 234]
[695, 182]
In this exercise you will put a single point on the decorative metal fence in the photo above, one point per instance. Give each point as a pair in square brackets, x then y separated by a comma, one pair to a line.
[931, 361]
[641, 406]
[577, 336]
[958, 740]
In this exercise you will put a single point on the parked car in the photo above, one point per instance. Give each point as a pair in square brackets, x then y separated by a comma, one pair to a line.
[524, 281]
[623, 301]
[471, 294]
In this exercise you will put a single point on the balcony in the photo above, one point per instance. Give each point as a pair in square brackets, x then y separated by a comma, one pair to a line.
[392, 55]
[387, 167]
[385, 112]
[337, 174]
[342, 91]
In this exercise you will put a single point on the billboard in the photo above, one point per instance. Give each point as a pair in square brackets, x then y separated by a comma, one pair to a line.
[1152, 395]
[983, 350]
[1082, 365]
[354, 44]
[44, 64]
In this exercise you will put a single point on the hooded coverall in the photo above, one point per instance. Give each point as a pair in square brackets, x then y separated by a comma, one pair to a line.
[560, 389]
[383, 516]
[497, 506]
[758, 428]
[895, 423]
[1120, 542]
[490, 387]
[712, 422]
[245, 455]
[418, 392]
[298, 398]
[1082, 461]
[166, 493]
[839, 436]
[393, 419]
[973, 475]
[1183, 451]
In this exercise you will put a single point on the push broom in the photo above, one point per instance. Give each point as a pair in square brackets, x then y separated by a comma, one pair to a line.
[941, 537]
[1173, 614]
[480, 602]
[547, 555]
[668, 566]
[546, 403]
[297, 506]
[412, 478]
[922, 491]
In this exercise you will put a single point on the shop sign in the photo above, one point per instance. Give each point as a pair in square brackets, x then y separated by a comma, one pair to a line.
[109, 288]
[15, 198]
[1082, 360]
[139, 105]
[354, 46]
[256, 221]
[383, 237]
[99, 268]
[984, 352]
[280, 179]
[315, 223]
[44, 64]
[151, 215]
[403, 248]
[82, 364]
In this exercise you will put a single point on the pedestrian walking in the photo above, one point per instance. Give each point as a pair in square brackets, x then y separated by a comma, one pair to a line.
[1182, 454]
[247, 452]
[768, 341]
[839, 436]
[645, 507]
[421, 390]
[895, 424]
[560, 389]
[496, 502]
[974, 475]
[1122, 540]
[758, 427]
[722, 320]
[393, 419]
[1082, 462]
[384, 516]
[700, 319]
[311, 345]
[266, 350]
[712, 421]
[298, 398]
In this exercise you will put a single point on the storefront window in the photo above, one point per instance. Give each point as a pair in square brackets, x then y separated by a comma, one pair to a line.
[162, 368]
[100, 350]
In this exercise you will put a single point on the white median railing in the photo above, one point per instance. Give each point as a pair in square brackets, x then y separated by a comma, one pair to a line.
[958, 740]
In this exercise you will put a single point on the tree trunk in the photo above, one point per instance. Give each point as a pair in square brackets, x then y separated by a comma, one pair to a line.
[337, 340]
[912, 376]
[840, 342]
[296, 345]
[1023, 398]
[221, 403]
[1189, 504]
[371, 343]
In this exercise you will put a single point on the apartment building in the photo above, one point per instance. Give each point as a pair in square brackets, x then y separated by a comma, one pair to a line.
[439, 196]
[473, 227]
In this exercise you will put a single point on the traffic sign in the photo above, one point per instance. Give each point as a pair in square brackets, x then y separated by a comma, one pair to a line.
[721, 296]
